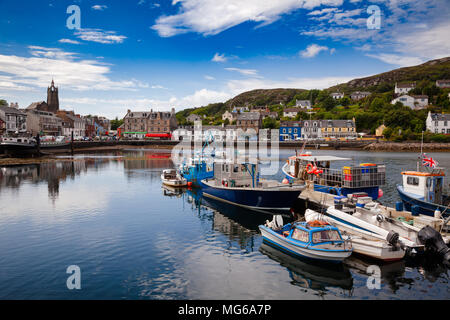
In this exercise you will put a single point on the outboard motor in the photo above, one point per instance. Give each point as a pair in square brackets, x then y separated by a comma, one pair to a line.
[432, 240]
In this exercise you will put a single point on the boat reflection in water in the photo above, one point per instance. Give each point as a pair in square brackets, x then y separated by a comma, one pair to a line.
[308, 274]
[169, 191]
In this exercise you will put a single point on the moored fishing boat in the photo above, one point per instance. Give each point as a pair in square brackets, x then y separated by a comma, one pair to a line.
[422, 192]
[172, 178]
[316, 171]
[197, 169]
[314, 240]
[363, 243]
[240, 184]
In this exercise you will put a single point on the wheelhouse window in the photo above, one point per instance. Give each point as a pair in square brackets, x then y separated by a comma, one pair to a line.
[413, 181]
[326, 235]
[300, 235]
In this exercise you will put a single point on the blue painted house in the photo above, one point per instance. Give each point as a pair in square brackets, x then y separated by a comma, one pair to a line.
[290, 130]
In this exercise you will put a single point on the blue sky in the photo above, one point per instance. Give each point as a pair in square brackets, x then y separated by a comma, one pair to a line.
[142, 54]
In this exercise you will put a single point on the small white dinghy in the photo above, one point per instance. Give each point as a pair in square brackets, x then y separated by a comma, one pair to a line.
[364, 242]
[172, 178]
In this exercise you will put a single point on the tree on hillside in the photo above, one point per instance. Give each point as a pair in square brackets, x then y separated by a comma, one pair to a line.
[3, 102]
[116, 123]
[269, 123]
[328, 103]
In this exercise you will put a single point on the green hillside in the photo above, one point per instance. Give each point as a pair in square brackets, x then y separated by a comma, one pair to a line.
[402, 122]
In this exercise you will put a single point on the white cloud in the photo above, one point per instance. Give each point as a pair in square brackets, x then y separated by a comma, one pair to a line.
[219, 58]
[99, 7]
[312, 50]
[209, 77]
[245, 72]
[211, 17]
[68, 41]
[100, 36]
[398, 60]
[67, 70]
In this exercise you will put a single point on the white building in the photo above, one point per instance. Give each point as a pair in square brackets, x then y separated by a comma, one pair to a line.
[14, 120]
[337, 95]
[291, 112]
[358, 95]
[305, 104]
[403, 88]
[443, 83]
[414, 102]
[311, 129]
[438, 123]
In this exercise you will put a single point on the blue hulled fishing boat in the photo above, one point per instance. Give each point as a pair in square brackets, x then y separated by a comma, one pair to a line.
[197, 169]
[422, 191]
[240, 184]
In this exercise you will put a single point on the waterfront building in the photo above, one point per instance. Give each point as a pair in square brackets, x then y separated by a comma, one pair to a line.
[290, 130]
[104, 122]
[15, 120]
[72, 122]
[249, 120]
[438, 123]
[414, 102]
[89, 126]
[358, 95]
[138, 123]
[303, 104]
[443, 84]
[338, 129]
[311, 129]
[404, 88]
[44, 123]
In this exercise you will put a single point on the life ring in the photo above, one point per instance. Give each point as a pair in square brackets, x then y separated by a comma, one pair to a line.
[310, 168]
[313, 169]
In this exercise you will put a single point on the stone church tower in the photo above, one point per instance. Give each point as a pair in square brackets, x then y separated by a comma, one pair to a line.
[52, 98]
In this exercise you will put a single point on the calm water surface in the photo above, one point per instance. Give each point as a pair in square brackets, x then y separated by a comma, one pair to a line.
[132, 239]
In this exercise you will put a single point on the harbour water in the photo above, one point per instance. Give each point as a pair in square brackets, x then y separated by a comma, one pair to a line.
[132, 239]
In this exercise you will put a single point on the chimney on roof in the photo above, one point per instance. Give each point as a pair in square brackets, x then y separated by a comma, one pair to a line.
[128, 111]
[173, 110]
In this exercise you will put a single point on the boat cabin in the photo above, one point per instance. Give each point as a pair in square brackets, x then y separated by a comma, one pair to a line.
[427, 186]
[244, 174]
[313, 233]
[170, 174]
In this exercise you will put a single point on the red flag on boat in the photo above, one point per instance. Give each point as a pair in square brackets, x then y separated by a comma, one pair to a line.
[429, 161]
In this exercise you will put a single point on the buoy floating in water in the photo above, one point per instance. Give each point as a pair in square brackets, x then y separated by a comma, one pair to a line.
[380, 193]
[285, 181]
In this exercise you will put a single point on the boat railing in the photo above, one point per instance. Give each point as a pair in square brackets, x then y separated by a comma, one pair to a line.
[351, 177]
